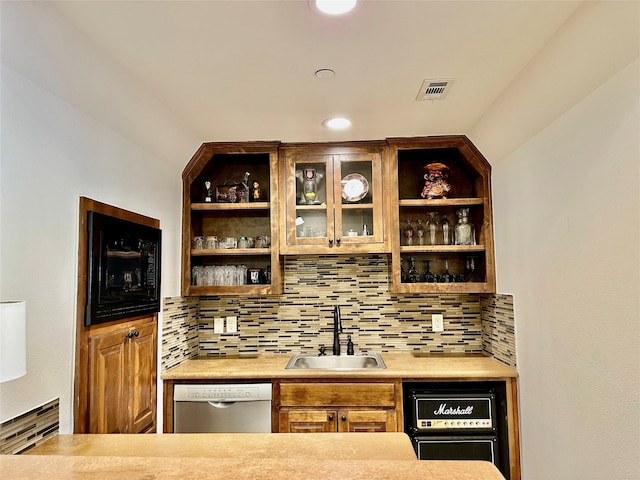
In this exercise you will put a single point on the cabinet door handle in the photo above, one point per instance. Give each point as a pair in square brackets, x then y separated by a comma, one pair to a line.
[136, 333]
[344, 418]
[338, 241]
[128, 335]
[331, 242]
[330, 418]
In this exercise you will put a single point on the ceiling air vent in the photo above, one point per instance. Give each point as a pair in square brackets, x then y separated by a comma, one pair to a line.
[434, 89]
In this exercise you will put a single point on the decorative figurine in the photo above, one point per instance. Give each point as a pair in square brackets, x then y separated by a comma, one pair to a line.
[208, 192]
[436, 184]
[310, 180]
[255, 191]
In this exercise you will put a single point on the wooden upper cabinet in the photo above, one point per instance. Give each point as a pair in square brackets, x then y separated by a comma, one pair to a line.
[338, 198]
[426, 263]
[230, 247]
[333, 198]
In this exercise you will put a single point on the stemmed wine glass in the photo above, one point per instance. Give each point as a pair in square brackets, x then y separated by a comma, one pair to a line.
[428, 276]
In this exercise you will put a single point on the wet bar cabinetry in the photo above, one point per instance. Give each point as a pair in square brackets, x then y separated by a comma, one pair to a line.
[456, 268]
[333, 198]
[340, 198]
[122, 377]
[254, 217]
[312, 407]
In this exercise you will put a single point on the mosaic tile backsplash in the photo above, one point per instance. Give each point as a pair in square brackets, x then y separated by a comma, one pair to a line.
[25, 431]
[301, 319]
[498, 328]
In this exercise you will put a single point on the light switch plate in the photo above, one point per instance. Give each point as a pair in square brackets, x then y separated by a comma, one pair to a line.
[218, 325]
[437, 322]
[232, 324]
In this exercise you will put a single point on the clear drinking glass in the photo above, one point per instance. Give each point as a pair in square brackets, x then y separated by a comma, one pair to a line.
[408, 233]
[447, 231]
[433, 227]
[420, 232]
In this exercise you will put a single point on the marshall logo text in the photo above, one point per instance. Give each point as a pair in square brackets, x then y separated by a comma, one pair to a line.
[443, 410]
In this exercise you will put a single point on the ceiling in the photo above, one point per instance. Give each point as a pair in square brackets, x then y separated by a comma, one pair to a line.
[245, 70]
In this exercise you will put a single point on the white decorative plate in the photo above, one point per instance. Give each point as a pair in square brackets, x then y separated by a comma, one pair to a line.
[354, 187]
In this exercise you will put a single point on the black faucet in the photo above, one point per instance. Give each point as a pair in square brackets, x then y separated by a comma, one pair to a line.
[337, 330]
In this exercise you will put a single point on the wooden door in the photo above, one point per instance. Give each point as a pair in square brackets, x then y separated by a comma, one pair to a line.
[367, 421]
[351, 216]
[142, 379]
[307, 226]
[107, 383]
[308, 421]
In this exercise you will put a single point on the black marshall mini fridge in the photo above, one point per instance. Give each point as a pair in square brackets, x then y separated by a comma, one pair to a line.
[456, 423]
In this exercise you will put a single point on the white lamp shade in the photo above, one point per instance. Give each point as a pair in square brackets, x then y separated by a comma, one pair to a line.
[13, 340]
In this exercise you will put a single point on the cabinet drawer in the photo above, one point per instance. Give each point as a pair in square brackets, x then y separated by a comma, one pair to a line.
[338, 394]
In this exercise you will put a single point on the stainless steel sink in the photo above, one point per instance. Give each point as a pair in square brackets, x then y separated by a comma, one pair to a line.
[333, 362]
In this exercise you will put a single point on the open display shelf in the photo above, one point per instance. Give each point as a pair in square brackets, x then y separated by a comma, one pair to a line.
[214, 269]
[454, 268]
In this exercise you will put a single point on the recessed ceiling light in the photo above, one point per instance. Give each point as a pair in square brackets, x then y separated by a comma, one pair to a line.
[333, 7]
[337, 123]
[325, 73]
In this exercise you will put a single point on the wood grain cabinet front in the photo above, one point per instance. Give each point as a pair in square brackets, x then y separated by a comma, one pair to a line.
[229, 234]
[333, 198]
[122, 379]
[308, 407]
[343, 421]
[442, 241]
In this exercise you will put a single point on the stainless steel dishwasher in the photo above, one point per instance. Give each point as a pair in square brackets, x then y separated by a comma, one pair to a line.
[222, 408]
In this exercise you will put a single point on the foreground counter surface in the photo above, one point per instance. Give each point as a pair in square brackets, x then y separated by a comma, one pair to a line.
[241, 456]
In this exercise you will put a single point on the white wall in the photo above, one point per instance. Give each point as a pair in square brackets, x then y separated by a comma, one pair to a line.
[54, 150]
[567, 221]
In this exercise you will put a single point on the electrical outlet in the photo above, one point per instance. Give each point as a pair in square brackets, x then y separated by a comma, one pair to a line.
[437, 322]
[232, 324]
[218, 325]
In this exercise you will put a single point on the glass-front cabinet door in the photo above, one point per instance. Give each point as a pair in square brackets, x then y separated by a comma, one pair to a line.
[333, 200]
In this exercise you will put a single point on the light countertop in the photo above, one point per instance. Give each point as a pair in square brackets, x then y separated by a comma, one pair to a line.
[393, 446]
[402, 365]
[240, 456]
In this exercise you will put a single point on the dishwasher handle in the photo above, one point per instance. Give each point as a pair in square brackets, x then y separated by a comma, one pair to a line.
[221, 404]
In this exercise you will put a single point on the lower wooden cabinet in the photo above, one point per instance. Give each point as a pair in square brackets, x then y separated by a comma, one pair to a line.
[310, 407]
[320, 420]
[122, 379]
